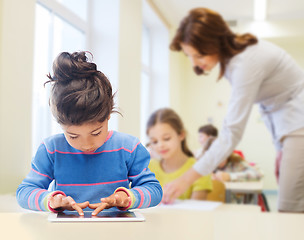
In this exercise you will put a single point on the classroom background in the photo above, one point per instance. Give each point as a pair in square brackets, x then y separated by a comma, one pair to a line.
[129, 40]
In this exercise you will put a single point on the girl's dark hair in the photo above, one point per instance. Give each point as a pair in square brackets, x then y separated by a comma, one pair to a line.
[208, 129]
[206, 146]
[207, 32]
[169, 116]
[79, 92]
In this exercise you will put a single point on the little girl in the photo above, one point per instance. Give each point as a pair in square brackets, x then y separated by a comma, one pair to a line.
[235, 168]
[89, 165]
[168, 139]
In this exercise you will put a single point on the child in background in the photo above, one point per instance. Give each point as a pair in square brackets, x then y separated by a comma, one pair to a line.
[206, 132]
[235, 168]
[168, 139]
[89, 165]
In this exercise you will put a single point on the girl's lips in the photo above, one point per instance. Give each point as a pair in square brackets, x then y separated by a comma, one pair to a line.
[164, 152]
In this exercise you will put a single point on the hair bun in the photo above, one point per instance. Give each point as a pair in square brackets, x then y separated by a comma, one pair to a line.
[68, 67]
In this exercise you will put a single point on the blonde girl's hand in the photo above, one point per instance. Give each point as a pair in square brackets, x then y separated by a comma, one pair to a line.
[177, 187]
[67, 203]
[119, 199]
[222, 176]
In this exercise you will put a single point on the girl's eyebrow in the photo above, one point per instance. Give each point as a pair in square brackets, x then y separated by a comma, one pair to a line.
[91, 132]
[72, 133]
[97, 129]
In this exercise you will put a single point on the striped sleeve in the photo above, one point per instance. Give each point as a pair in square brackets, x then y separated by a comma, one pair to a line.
[145, 190]
[33, 192]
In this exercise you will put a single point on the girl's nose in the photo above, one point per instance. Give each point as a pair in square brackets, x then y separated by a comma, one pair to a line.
[87, 146]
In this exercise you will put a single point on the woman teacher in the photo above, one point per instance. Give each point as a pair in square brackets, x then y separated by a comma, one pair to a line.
[259, 72]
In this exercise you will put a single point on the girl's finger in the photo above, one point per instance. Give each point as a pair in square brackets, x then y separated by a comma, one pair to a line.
[108, 200]
[74, 205]
[99, 209]
[84, 204]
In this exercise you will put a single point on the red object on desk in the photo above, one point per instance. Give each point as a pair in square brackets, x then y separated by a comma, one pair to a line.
[239, 153]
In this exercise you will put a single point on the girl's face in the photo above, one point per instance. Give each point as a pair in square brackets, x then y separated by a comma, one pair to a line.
[165, 141]
[86, 137]
[202, 138]
[204, 62]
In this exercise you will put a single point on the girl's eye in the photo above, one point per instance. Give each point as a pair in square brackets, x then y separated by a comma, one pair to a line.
[73, 137]
[96, 134]
[167, 139]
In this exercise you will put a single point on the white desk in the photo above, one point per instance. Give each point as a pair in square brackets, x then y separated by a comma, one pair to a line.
[161, 224]
[254, 188]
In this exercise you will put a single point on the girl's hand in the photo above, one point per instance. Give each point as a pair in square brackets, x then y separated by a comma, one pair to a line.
[67, 203]
[118, 199]
[222, 176]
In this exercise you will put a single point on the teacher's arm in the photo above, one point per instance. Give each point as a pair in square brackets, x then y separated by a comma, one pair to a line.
[245, 86]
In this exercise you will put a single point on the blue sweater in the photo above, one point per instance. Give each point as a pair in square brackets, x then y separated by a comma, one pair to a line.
[57, 166]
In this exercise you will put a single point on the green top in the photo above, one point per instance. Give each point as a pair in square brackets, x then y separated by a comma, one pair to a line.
[203, 183]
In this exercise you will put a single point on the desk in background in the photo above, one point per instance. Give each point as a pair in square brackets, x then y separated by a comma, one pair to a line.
[254, 188]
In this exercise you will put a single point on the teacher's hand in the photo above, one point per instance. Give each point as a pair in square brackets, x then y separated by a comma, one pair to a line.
[177, 187]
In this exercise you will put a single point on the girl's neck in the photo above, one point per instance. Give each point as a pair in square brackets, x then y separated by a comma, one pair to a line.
[174, 163]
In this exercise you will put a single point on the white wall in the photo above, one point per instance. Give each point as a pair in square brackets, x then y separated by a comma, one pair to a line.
[130, 66]
[115, 41]
[103, 42]
[16, 58]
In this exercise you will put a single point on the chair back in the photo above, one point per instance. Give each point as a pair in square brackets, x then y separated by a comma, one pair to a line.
[218, 192]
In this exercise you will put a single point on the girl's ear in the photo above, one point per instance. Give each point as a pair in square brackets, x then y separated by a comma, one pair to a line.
[182, 135]
[109, 117]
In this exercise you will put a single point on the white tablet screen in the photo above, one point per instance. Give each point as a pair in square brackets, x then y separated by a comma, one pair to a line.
[108, 216]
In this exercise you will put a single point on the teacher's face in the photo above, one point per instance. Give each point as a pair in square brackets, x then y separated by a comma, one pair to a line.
[204, 62]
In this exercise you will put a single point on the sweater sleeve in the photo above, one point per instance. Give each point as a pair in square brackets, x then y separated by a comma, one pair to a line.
[33, 192]
[246, 79]
[145, 189]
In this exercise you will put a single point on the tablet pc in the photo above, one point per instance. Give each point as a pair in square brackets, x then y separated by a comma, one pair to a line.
[103, 216]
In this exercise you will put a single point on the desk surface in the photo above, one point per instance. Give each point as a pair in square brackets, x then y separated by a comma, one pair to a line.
[227, 222]
[245, 187]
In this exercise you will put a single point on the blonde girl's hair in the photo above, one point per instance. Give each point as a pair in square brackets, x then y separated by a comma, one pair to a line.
[207, 32]
[169, 116]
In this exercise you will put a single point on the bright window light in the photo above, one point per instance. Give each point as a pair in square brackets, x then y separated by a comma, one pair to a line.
[260, 7]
